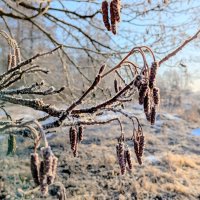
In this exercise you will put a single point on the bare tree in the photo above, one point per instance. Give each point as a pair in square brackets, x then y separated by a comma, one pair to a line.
[78, 27]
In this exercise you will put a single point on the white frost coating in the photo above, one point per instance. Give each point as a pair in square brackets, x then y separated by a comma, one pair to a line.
[170, 116]
[152, 159]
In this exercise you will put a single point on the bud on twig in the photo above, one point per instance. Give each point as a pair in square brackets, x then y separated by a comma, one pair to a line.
[116, 86]
[138, 81]
[102, 68]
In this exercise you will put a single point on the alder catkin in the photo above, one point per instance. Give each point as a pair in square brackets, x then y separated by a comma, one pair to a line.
[35, 166]
[9, 61]
[18, 54]
[43, 179]
[73, 140]
[80, 133]
[153, 115]
[143, 92]
[104, 8]
[116, 9]
[48, 160]
[141, 146]
[113, 19]
[128, 158]
[146, 105]
[138, 147]
[14, 61]
[152, 77]
[51, 177]
[120, 156]
[156, 96]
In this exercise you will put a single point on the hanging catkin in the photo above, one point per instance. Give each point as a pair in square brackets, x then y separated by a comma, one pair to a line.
[104, 8]
[153, 72]
[128, 158]
[113, 19]
[116, 9]
[120, 156]
[156, 95]
[35, 166]
[80, 134]
[143, 92]
[43, 179]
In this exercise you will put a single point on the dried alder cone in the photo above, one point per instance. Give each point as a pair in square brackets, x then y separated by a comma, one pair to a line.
[115, 8]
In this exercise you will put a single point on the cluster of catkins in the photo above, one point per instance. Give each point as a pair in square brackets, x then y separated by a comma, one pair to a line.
[123, 156]
[44, 172]
[75, 136]
[115, 7]
[149, 94]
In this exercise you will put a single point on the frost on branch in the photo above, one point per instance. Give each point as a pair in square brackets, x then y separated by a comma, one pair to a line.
[142, 84]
